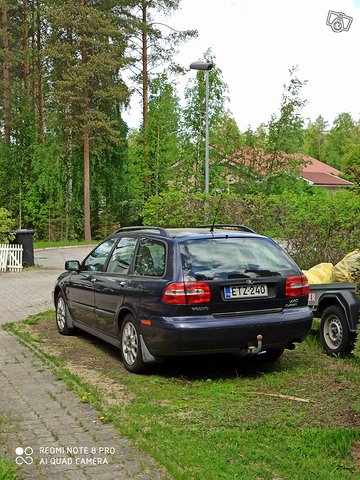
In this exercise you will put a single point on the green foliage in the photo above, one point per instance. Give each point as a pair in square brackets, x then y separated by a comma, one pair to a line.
[133, 189]
[321, 227]
[192, 166]
[175, 208]
[286, 132]
[352, 156]
[356, 350]
[108, 182]
[163, 135]
[341, 136]
[316, 227]
[75, 54]
[164, 40]
[86, 45]
[6, 225]
[351, 161]
[314, 138]
[8, 469]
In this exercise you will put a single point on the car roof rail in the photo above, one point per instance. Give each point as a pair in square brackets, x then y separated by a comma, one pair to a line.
[135, 228]
[227, 225]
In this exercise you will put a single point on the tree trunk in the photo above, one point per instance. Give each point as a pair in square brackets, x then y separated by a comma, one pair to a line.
[145, 92]
[33, 60]
[26, 48]
[144, 64]
[87, 224]
[6, 74]
[40, 81]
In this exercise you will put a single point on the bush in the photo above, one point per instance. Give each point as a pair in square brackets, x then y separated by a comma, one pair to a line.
[6, 226]
[321, 227]
[316, 227]
[356, 350]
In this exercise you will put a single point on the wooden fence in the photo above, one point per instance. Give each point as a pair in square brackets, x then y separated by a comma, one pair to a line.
[11, 258]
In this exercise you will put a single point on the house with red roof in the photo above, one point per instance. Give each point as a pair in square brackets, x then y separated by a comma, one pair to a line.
[314, 172]
[319, 174]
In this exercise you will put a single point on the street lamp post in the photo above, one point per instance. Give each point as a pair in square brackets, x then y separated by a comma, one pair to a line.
[206, 67]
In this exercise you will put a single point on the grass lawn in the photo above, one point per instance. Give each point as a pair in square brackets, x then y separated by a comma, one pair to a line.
[65, 243]
[8, 469]
[220, 417]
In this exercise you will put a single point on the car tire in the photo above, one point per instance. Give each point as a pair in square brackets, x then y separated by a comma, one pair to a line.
[130, 345]
[62, 321]
[334, 332]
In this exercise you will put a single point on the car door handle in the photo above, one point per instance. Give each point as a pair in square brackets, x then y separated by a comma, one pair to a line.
[122, 283]
[93, 280]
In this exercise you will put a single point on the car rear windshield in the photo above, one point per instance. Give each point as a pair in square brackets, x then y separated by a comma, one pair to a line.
[229, 257]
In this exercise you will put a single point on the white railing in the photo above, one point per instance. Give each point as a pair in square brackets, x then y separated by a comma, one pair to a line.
[11, 258]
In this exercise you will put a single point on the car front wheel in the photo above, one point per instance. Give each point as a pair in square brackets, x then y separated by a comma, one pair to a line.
[131, 352]
[334, 332]
[61, 316]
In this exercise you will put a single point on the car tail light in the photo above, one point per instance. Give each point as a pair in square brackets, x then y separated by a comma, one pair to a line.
[297, 286]
[182, 293]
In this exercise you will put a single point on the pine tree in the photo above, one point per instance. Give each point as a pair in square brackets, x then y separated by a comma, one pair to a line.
[153, 44]
[6, 71]
[87, 48]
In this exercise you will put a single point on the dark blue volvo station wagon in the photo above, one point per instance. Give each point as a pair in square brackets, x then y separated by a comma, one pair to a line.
[156, 292]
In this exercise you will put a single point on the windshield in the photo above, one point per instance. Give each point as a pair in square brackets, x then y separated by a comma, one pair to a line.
[227, 258]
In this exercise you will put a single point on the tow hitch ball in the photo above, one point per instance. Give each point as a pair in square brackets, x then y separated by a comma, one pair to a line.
[252, 349]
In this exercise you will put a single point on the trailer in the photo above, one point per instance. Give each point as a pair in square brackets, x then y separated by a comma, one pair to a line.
[338, 306]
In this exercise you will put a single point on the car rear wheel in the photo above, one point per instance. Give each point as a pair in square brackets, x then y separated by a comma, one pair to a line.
[334, 332]
[62, 322]
[131, 352]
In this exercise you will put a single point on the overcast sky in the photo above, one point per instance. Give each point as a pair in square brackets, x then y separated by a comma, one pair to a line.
[255, 42]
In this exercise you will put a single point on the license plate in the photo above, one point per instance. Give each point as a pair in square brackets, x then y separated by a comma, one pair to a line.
[246, 291]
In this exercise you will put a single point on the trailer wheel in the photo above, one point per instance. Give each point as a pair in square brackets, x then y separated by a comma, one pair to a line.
[334, 332]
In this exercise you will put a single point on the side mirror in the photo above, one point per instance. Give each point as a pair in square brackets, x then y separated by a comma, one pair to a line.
[72, 265]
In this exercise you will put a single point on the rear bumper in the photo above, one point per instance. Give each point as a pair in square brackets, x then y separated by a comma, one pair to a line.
[207, 334]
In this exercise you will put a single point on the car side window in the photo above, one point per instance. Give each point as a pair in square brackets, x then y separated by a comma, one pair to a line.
[96, 260]
[122, 255]
[150, 258]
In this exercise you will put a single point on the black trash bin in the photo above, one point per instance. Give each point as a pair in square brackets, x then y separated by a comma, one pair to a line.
[25, 238]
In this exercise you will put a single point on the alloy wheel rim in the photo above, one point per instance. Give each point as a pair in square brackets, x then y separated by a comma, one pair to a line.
[130, 343]
[60, 314]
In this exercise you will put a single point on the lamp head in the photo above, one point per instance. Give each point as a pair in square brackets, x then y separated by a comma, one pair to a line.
[201, 66]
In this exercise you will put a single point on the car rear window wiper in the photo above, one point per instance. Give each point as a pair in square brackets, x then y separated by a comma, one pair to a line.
[246, 273]
[263, 273]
